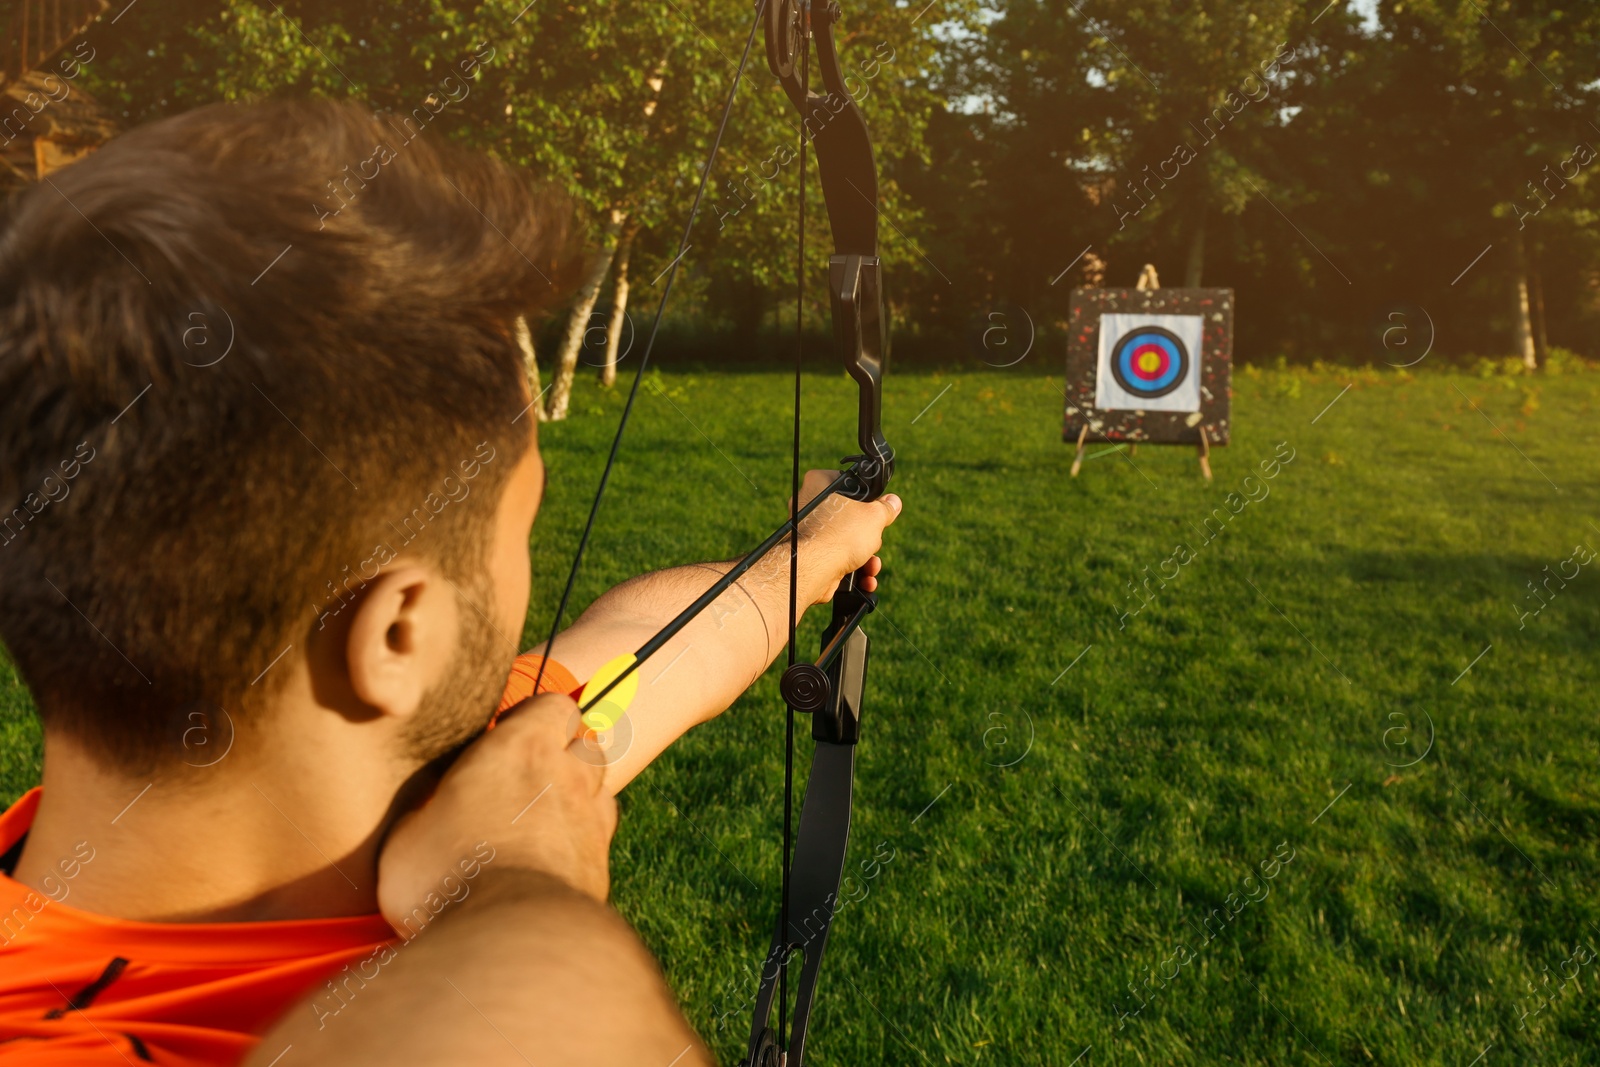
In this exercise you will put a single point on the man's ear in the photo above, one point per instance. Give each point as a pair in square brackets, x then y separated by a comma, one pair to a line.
[402, 638]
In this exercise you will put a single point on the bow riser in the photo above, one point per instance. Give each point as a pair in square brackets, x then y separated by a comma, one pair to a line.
[855, 285]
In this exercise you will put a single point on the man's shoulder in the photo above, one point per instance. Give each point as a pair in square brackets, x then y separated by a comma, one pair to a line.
[81, 988]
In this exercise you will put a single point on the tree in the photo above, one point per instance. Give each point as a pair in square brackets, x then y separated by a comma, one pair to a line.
[1444, 151]
[614, 103]
[618, 217]
[619, 305]
[1203, 91]
[1011, 184]
[530, 363]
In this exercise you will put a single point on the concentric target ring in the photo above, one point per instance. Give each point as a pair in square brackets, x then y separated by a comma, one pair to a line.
[1149, 361]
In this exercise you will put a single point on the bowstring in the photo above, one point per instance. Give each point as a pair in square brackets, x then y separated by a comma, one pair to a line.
[644, 360]
[794, 532]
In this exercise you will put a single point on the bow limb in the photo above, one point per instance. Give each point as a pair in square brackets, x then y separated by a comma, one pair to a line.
[830, 689]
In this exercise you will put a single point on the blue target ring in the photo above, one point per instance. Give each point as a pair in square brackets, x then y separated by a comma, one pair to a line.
[1149, 361]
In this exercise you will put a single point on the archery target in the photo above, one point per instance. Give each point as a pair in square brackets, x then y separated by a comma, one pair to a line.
[1148, 363]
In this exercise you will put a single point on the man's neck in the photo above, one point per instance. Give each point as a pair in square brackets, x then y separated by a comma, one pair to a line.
[241, 840]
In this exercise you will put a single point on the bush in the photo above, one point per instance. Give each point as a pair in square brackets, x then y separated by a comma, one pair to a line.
[1560, 360]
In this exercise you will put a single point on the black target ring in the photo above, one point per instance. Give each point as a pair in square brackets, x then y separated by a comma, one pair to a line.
[1147, 384]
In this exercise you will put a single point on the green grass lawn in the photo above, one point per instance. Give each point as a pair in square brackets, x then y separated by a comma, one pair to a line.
[1065, 802]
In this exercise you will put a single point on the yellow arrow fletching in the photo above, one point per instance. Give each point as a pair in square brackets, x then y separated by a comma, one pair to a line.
[608, 712]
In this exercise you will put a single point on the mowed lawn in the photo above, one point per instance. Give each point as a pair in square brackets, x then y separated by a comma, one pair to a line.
[1272, 817]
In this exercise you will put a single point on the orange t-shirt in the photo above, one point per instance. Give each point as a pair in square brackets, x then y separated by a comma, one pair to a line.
[85, 989]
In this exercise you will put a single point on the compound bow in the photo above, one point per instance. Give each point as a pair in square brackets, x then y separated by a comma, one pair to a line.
[830, 688]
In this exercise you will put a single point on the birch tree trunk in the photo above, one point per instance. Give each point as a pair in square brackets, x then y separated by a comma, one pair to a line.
[583, 305]
[578, 321]
[530, 364]
[1522, 315]
[619, 308]
[1541, 337]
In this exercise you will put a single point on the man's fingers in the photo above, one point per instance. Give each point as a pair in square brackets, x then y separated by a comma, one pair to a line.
[522, 787]
[551, 717]
[548, 709]
[581, 751]
[550, 723]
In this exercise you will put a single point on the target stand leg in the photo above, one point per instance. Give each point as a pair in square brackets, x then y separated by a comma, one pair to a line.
[1077, 460]
[1205, 455]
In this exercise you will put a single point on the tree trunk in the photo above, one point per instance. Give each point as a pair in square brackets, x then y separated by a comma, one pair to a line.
[619, 307]
[1522, 317]
[1541, 339]
[589, 291]
[530, 364]
[578, 320]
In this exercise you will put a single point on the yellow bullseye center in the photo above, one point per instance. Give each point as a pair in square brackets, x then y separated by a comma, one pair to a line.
[1149, 362]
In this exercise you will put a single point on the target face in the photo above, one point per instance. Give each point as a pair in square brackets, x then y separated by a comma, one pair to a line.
[1149, 363]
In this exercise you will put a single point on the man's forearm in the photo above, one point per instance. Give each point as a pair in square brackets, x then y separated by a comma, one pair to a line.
[752, 614]
[703, 669]
[525, 969]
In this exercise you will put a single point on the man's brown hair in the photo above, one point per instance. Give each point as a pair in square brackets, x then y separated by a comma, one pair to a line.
[246, 355]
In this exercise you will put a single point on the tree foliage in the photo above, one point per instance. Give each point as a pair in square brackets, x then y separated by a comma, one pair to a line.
[1329, 163]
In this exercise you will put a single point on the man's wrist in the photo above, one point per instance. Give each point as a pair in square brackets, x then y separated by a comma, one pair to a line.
[819, 570]
[503, 884]
[508, 884]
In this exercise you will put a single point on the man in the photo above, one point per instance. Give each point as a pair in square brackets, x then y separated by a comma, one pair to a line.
[276, 480]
